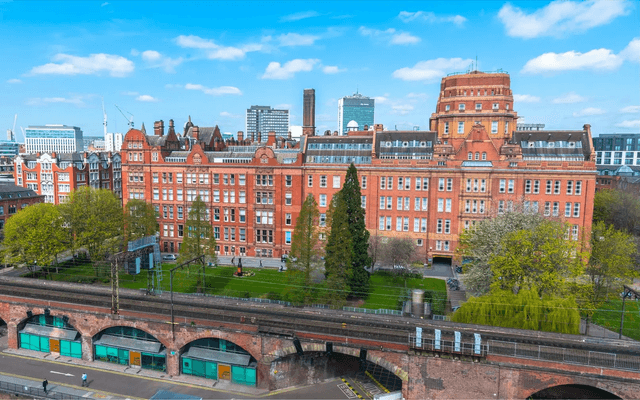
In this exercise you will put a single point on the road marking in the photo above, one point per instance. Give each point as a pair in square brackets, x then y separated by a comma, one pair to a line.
[61, 373]
[347, 391]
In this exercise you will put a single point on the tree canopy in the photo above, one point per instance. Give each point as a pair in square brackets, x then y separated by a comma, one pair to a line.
[617, 208]
[35, 235]
[95, 221]
[140, 219]
[338, 252]
[304, 257]
[198, 236]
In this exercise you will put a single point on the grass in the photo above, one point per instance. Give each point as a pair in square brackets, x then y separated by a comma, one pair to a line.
[387, 290]
[608, 316]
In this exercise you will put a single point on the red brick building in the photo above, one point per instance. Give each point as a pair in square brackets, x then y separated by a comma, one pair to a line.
[13, 199]
[427, 185]
[55, 175]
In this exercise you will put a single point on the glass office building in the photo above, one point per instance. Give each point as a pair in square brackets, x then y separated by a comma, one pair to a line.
[264, 119]
[50, 138]
[357, 108]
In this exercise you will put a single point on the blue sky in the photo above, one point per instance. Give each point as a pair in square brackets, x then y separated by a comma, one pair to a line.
[571, 62]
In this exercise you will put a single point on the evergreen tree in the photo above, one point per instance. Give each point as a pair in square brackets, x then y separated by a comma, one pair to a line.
[198, 239]
[304, 256]
[351, 196]
[338, 251]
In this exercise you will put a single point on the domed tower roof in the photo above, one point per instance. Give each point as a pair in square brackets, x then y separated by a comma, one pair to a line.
[352, 126]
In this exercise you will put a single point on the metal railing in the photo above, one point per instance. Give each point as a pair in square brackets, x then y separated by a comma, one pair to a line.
[564, 355]
[32, 392]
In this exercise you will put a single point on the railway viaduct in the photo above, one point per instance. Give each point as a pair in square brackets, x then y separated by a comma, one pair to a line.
[290, 345]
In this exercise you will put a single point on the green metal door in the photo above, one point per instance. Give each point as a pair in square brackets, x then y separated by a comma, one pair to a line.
[76, 349]
[65, 348]
[237, 374]
[211, 370]
[186, 366]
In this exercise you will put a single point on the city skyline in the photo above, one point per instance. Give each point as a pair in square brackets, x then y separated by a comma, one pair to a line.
[571, 62]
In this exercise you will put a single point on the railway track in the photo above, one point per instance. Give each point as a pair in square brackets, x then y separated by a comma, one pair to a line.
[283, 320]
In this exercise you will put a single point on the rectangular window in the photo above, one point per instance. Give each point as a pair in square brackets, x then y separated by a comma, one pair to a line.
[242, 197]
[399, 203]
[527, 186]
[503, 183]
[323, 181]
[381, 224]
[407, 202]
[447, 207]
[447, 226]
[460, 127]
[556, 188]
[449, 184]
[549, 183]
[574, 232]
[388, 223]
[478, 106]
[382, 202]
[501, 207]
[323, 219]
[243, 235]
[364, 182]
[288, 181]
[156, 194]
[569, 187]
[446, 128]
[511, 185]
[468, 185]
[363, 201]
[536, 186]
[483, 185]
[389, 203]
[180, 212]
[424, 203]
[494, 126]
[461, 106]
[567, 210]
[399, 224]
[578, 188]
[288, 199]
[310, 181]
[439, 226]
[547, 208]
[440, 205]
[241, 180]
[390, 182]
[383, 182]
[438, 245]
[423, 224]
[576, 210]
[336, 181]
[405, 225]
[467, 206]
[416, 224]
[407, 183]
[243, 215]
[425, 183]
[287, 237]
[416, 204]
[400, 183]
[556, 208]
[323, 200]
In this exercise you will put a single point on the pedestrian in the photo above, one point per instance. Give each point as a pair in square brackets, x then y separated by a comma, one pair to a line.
[233, 261]
[84, 380]
[260, 263]
[45, 382]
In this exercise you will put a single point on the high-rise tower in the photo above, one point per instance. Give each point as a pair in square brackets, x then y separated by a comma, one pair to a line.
[264, 119]
[356, 108]
[309, 112]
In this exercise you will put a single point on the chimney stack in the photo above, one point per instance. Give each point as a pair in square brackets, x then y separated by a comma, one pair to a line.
[194, 133]
[158, 128]
[259, 137]
[240, 136]
[271, 138]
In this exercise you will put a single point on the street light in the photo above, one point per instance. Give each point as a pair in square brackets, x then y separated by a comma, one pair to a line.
[187, 263]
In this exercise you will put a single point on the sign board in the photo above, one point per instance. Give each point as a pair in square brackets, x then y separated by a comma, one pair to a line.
[418, 337]
[456, 345]
[54, 345]
[134, 358]
[437, 339]
[476, 347]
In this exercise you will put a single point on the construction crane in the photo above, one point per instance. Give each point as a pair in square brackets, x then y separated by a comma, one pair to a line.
[129, 120]
[11, 135]
[104, 122]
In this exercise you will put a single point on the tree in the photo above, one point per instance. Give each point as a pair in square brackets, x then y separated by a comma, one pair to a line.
[351, 196]
[542, 257]
[140, 219]
[35, 235]
[617, 208]
[611, 264]
[305, 253]
[524, 310]
[339, 249]
[398, 251]
[480, 242]
[198, 239]
[376, 248]
[95, 221]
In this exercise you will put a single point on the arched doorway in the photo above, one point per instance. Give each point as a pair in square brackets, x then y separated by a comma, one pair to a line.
[573, 392]
[50, 334]
[316, 366]
[3, 334]
[125, 345]
[215, 358]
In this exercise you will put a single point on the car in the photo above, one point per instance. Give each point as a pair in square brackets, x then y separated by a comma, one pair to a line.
[169, 257]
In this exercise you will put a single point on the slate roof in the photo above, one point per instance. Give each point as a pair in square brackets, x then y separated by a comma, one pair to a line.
[405, 136]
[9, 190]
[553, 136]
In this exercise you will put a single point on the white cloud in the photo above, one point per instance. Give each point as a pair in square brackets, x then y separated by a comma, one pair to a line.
[130, 93]
[332, 69]
[421, 96]
[213, 50]
[135, 52]
[217, 91]
[598, 59]
[630, 110]
[430, 17]
[402, 109]
[14, 80]
[104, 4]
[629, 124]
[526, 98]
[276, 71]
[632, 51]
[296, 39]
[298, 16]
[116, 66]
[146, 98]
[589, 111]
[39, 101]
[229, 115]
[431, 70]
[561, 17]
[382, 99]
[156, 60]
[390, 35]
[569, 98]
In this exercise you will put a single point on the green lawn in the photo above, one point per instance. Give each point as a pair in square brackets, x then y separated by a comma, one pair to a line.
[387, 290]
[608, 316]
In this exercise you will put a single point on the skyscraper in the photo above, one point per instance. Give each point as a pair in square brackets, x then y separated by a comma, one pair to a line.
[265, 119]
[309, 112]
[357, 108]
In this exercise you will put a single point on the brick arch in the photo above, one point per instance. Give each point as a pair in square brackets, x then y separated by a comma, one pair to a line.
[183, 340]
[110, 323]
[320, 347]
[54, 313]
[605, 388]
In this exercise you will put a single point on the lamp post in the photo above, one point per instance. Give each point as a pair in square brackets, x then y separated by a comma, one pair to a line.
[187, 263]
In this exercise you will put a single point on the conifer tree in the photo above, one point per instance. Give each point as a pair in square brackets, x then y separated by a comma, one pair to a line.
[351, 196]
[338, 253]
[198, 236]
[305, 254]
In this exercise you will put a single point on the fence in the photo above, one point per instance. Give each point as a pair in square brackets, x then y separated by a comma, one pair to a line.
[564, 355]
[32, 392]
